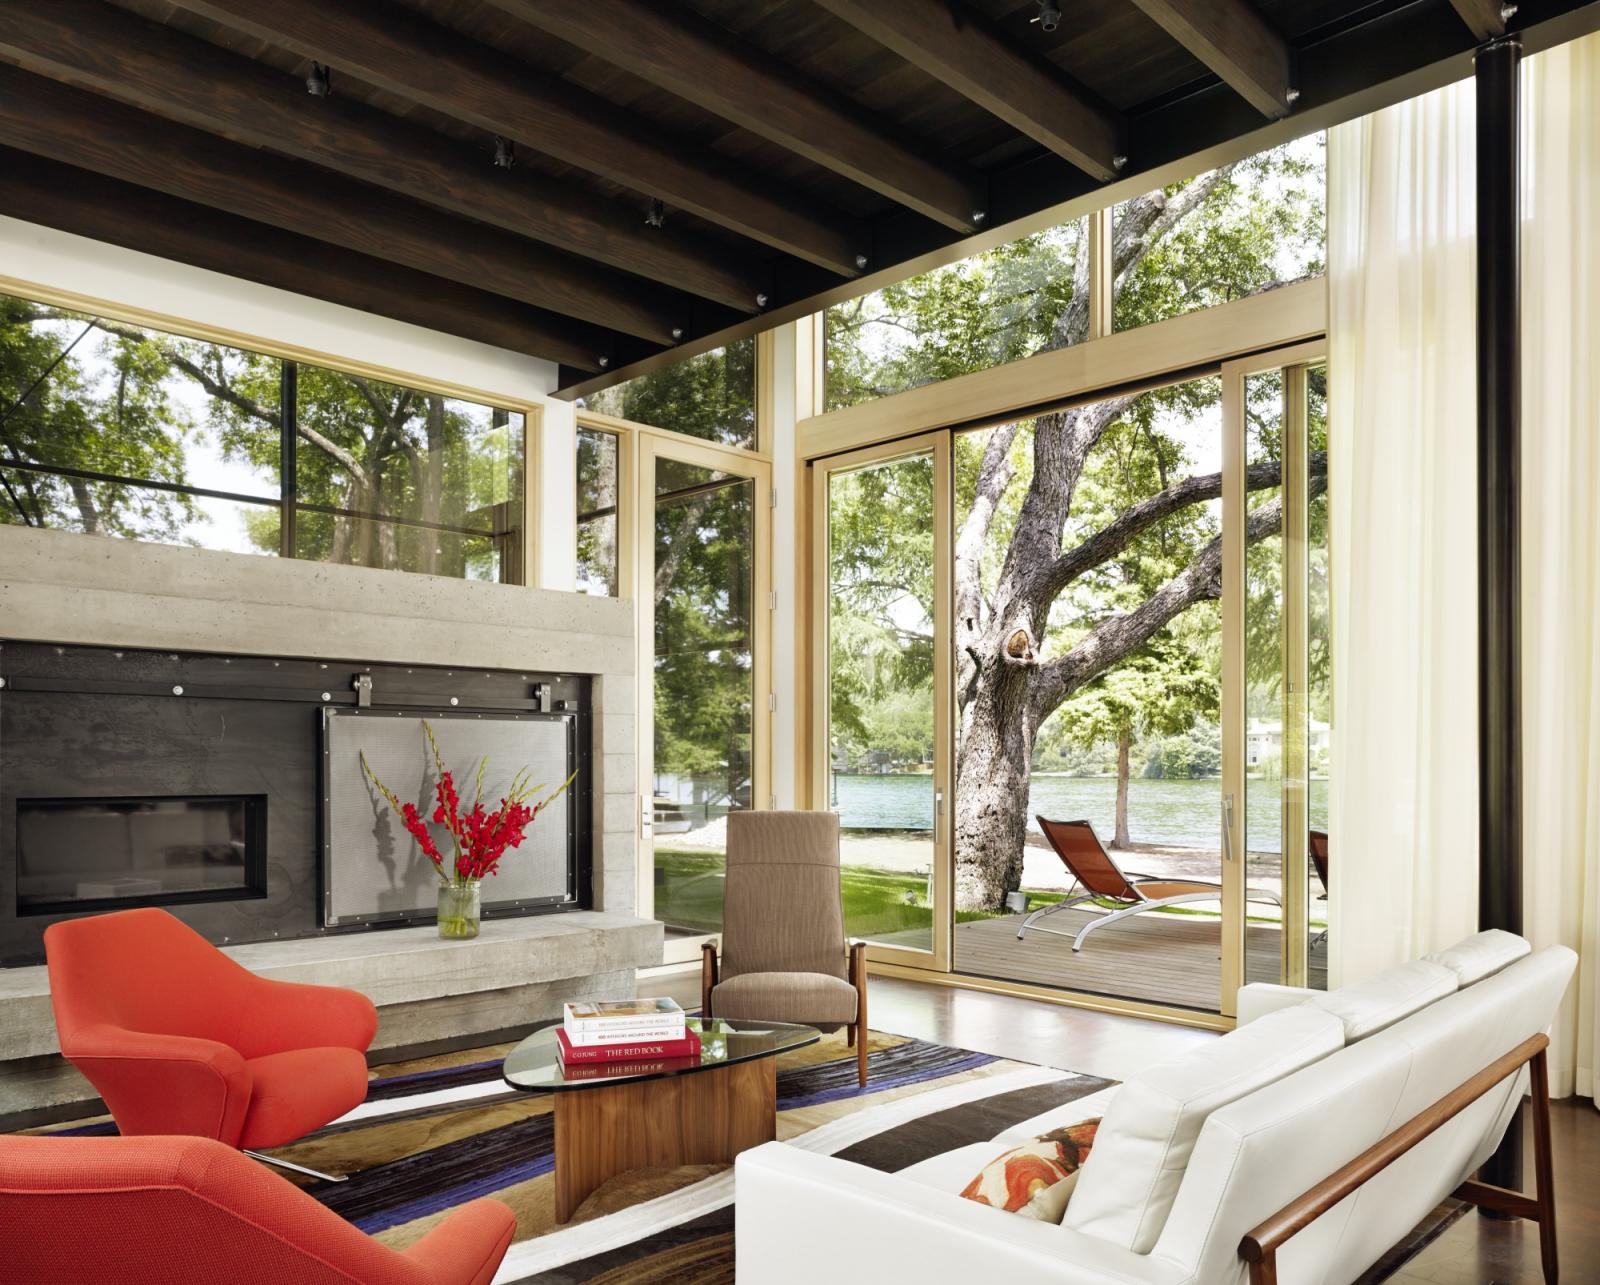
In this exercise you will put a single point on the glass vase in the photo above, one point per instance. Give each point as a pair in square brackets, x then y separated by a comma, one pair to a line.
[459, 909]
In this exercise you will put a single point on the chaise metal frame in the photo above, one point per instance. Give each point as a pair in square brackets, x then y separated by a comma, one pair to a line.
[1096, 871]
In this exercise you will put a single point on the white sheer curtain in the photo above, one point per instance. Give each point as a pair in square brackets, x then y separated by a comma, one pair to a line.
[1561, 532]
[1403, 788]
[1403, 796]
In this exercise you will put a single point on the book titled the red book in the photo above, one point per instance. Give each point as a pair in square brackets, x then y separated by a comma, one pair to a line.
[637, 1051]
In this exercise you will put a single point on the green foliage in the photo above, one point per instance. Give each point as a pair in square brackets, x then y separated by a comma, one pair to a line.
[993, 308]
[1190, 755]
[107, 407]
[712, 396]
[149, 406]
[1160, 691]
[880, 521]
[704, 697]
[1264, 223]
[1254, 225]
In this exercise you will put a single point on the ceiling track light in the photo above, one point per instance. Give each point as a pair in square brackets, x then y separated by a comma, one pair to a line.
[1049, 16]
[505, 152]
[655, 215]
[319, 84]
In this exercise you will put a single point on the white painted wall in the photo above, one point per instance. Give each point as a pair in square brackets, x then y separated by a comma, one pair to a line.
[30, 254]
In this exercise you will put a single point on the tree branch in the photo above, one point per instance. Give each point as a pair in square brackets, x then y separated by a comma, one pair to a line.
[678, 545]
[1112, 539]
[1115, 639]
[994, 476]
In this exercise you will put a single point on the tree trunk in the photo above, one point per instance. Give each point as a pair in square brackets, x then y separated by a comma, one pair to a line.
[1121, 840]
[992, 771]
[433, 493]
[88, 514]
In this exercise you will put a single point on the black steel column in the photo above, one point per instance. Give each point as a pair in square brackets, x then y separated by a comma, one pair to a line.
[288, 444]
[1499, 544]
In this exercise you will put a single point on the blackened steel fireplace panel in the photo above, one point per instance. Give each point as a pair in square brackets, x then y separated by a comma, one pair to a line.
[372, 869]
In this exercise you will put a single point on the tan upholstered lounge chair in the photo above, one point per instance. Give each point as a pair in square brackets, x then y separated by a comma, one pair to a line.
[784, 954]
[1093, 868]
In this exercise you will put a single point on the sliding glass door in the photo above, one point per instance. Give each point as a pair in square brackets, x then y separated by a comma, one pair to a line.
[1071, 691]
[1277, 708]
[1088, 672]
[880, 524]
[702, 596]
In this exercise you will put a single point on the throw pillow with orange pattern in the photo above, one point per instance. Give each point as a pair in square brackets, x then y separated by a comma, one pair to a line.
[1036, 1179]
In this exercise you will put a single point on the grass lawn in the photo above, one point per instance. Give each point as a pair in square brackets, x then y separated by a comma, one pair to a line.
[876, 902]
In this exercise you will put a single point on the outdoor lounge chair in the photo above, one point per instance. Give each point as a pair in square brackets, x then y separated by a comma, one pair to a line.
[1318, 845]
[1093, 869]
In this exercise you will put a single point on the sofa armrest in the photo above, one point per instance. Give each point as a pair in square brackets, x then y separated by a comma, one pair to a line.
[164, 1083]
[802, 1217]
[466, 1248]
[1260, 998]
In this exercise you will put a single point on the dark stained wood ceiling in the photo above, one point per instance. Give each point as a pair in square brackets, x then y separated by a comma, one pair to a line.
[793, 145]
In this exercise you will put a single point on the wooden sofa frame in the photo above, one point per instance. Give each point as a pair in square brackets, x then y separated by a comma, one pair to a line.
[1260, 1247]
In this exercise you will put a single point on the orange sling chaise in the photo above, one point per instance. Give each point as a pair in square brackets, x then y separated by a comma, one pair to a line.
[179, 1211]
[178, 1038]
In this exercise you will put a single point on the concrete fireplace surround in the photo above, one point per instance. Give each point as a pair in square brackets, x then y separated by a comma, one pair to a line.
[67, 588]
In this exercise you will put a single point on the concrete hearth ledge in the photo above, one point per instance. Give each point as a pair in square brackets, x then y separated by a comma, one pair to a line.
[393, 966]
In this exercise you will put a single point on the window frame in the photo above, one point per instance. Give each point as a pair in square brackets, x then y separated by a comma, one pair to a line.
[293, 357]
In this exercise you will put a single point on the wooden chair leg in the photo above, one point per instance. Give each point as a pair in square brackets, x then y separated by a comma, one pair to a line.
[858, 1032]
[850, 1037]
[708, 977]
[1544, 1167]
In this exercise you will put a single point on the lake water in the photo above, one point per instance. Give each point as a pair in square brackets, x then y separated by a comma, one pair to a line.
[1181, 813]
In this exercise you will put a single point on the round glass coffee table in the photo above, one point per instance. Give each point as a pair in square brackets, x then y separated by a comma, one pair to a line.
[615, 1116]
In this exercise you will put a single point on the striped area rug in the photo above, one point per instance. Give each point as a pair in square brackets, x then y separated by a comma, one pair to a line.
[437, 1133]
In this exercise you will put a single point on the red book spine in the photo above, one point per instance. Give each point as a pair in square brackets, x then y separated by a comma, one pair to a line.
[638, 1051]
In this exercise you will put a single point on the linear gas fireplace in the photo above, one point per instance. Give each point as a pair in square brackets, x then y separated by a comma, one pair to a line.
[77, 854]
[230, 789]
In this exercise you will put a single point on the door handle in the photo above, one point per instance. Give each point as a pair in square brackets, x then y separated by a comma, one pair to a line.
[1227, 827]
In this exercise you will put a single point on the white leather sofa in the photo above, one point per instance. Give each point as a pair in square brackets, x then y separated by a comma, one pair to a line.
[1193, 1154]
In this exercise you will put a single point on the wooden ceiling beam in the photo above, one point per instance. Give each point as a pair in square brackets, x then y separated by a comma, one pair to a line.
[91, 205]
[957, 46]
[673, 48]
[1486, 19]
[429, 64]
[83, 129]
[1235, 41]
[160, 70]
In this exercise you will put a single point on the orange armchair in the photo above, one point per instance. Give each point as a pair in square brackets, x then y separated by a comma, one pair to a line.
[171, 1211]
[178, 1038]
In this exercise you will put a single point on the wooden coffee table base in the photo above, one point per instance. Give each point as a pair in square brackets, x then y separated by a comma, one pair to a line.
[708, 1117]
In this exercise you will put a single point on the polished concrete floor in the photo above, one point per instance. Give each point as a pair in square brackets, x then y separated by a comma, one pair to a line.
[1472, 1251]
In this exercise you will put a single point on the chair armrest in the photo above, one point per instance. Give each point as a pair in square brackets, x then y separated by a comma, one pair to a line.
[1260, 998]
[709, 975]
[293, 1015]
[801, 1217]
[164, 1083]
[466, 1248]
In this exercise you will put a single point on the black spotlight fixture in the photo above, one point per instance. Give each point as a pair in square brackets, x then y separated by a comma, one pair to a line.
[505, 152]
[1049, 15]
[319, 84]
[655, 214]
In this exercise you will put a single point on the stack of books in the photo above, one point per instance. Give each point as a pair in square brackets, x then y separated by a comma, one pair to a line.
[594, 1032]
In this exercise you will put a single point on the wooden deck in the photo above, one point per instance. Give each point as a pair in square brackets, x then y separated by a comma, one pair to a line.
[1162, 959]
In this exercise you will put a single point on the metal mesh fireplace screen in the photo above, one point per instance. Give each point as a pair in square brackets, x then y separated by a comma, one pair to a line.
[373, 870]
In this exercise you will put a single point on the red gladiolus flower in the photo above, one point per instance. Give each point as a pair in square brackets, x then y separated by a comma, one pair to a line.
[481, 838]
